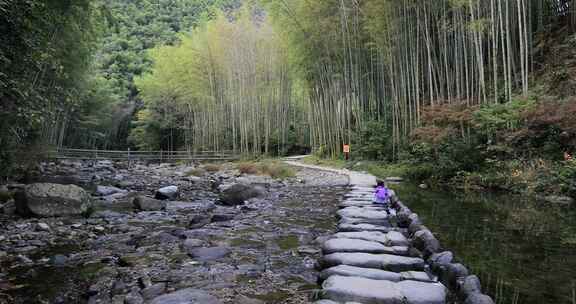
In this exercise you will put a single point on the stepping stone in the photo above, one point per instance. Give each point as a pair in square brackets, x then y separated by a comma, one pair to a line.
[356, 212]
[418, 276]
[358, 220]
[368, 291]
[391, 238]
[377, 261]
[423, 293]
[375, 274]
[356, 245]
[367, 273]
[351, 227]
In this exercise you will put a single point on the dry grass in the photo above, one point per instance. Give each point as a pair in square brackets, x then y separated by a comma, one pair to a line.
[195, 172]
[247, 168]
[274, 169]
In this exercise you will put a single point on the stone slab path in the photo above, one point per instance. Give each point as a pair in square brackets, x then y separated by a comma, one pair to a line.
[368, 259]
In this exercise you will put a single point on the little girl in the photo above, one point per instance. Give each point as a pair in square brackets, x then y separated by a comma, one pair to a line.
[382, 195]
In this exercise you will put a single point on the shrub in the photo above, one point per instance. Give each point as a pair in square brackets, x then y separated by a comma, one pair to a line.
[212, 168]
[195, 172]
[247, 168]
[276, 170]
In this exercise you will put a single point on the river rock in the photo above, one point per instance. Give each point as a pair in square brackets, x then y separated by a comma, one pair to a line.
[469, 285]
[144, 203]
[477, 298]
[377, 261]
[190, 244]
[426, 242]
[442, 258]
[108, 190]
[47, 200]
[356, 245]
[208, 253]
[238, 193]
[42, 227]
[451, 273]
[167, 193]
[186, 296]
[9, 208]
[190, 207]
[153, 291]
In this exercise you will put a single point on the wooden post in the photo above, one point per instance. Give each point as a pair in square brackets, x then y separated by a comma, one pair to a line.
[160, 155]
[129, 158]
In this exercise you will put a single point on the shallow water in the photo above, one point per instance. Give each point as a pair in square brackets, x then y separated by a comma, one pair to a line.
[524, 251]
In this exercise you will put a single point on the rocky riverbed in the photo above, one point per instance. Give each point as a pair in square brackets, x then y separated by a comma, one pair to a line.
[186, 247]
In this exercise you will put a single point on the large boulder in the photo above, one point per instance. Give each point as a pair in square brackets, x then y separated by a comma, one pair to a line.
[167, 193]
[238, 193]
[47, 200]
[186, 296]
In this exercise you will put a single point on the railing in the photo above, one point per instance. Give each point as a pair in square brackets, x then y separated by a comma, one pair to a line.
[162, 156]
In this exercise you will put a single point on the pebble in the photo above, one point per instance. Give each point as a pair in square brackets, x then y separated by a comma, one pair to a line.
[42, 227]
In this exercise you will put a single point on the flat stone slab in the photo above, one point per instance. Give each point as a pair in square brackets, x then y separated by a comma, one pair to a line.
[356, 212]
[377, 261]
[359, 204]
[357, 245]
[368, 291]
[423, 293]
[357, 227]
[367, 273]
[359, 220]
[392, 238]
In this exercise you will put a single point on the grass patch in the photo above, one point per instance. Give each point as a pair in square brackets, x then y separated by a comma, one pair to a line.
[276, 169]
[384, 170]
[5, 196]
[326, 162]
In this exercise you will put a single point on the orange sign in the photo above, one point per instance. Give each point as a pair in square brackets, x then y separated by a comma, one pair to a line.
[346, 148]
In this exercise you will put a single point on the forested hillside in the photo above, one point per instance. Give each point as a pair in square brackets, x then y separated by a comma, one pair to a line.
[466, 91]
[68, 67]
[446, 89]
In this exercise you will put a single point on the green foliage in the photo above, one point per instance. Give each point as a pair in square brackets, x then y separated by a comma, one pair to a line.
[376, 142]
[492, 118]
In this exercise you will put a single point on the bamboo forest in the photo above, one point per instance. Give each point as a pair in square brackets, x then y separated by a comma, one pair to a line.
[287, 151]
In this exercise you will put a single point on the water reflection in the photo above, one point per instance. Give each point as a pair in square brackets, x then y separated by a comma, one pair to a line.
[524, 251]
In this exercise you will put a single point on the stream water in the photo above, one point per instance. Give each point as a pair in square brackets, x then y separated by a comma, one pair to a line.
[523, 251]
